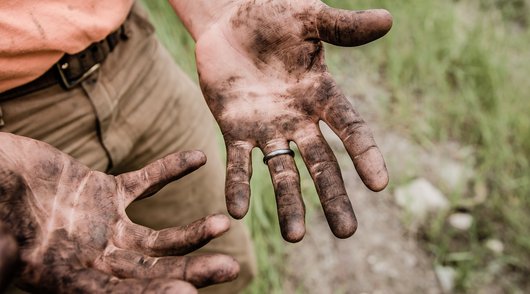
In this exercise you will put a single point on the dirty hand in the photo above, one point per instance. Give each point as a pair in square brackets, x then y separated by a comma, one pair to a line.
[73, 233]
[262, 71]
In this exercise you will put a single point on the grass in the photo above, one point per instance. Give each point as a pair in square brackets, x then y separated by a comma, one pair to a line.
[457, 71]
[453, 71]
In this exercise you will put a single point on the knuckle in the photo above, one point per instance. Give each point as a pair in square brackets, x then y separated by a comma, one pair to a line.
[286, 175]
[324, 165]
[237, 172]
[151, 240]
[355, 128]
[331, 200]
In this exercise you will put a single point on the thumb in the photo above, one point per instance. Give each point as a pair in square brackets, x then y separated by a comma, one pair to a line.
[153, 177]
[352, 28]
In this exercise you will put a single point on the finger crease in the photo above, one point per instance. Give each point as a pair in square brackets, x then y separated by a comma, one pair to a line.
[237, 183]
[352, 130]
[120, 227]
[364, 152]
[185, 268]
[151, 240]
[322, 166]
[286, 175]
[331, 199]
[337, 30]
[154, 262]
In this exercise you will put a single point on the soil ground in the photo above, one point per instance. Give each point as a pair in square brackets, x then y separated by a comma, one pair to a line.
[382, 257]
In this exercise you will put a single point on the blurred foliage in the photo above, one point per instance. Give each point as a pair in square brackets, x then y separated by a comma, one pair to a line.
[172, 34]
[517, 11]
[457, 70]
[454, 70]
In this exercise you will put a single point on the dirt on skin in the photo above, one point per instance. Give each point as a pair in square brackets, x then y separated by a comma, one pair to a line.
[382, 256]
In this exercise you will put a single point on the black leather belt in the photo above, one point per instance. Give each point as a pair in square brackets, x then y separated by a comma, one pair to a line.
[71, 70]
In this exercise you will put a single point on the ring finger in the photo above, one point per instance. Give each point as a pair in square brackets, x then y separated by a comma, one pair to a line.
[286, 182]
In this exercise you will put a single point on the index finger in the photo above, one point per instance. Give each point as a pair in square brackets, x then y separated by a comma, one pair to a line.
[153, 177]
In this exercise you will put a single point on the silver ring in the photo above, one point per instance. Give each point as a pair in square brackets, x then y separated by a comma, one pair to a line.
[276, 153]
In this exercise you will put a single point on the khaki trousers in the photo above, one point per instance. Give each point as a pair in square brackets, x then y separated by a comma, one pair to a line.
[137, 108]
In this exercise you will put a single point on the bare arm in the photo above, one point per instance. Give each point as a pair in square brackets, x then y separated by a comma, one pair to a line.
[198, 16]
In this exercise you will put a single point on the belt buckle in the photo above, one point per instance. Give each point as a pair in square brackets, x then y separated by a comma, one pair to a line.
[70, 84]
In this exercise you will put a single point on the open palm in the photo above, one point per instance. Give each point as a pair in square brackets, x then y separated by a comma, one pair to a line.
[262, 71]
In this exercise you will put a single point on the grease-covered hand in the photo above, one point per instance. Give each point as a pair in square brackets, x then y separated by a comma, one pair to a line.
[262, 71]
[74, 235]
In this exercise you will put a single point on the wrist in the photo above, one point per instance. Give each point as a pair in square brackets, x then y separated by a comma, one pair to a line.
[199, 15]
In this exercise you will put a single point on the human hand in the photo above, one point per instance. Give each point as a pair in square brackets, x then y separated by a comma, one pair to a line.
[74, 235]
[262, 71]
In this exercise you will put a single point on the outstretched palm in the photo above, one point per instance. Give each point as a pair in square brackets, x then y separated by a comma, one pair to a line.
[74, 235]
[262, 71]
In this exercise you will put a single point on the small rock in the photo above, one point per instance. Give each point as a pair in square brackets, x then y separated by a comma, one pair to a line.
[420, 198]
[461, 221]
[495, 245]
[372, 259]
[495, 267]
[454, 175]
[446, 276]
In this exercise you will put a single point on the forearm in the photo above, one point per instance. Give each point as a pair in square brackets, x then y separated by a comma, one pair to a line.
[198, 15]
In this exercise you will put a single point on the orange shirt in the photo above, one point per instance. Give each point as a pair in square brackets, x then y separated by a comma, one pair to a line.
[35, 34]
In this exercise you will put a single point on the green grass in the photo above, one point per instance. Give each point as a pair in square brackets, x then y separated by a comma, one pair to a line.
[458, 71]
[454, 70]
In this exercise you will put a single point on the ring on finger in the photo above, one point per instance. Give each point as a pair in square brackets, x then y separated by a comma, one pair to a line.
[278, 152]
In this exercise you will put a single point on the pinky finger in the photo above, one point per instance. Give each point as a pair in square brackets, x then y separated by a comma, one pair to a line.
[359, 142]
